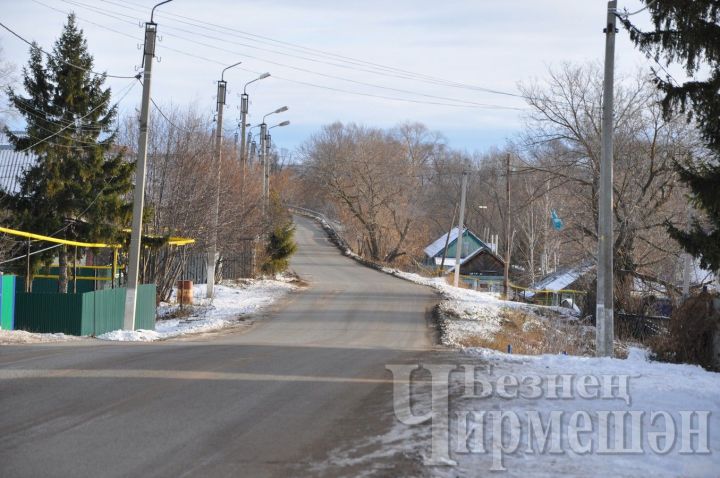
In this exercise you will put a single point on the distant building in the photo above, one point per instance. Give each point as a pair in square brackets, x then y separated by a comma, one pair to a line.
[480, 266]
[561, 288]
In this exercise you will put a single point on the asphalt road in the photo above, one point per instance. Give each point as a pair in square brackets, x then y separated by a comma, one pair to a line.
[270, 401]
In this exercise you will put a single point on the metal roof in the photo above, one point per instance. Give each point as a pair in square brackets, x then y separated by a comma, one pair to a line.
[12, 165]
[433, 249]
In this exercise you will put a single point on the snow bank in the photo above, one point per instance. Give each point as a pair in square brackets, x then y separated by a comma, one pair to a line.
[470, 313]
[230, 304]
[22, 337]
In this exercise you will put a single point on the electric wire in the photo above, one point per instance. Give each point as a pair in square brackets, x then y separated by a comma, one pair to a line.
[304, 70]
[304, 83]
[50, 55]
[263, 39]
[128, 89]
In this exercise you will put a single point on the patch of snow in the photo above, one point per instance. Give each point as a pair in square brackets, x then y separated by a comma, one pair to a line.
[23, 337]
[473, 313]
[226, 309]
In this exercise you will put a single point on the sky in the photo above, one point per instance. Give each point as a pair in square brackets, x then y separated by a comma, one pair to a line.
[377, 63]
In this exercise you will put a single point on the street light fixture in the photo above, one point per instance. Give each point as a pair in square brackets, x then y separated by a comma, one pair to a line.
[244, 109]
[212, 251]
[263, 152]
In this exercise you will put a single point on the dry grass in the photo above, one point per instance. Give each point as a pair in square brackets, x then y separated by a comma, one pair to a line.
[530, 334]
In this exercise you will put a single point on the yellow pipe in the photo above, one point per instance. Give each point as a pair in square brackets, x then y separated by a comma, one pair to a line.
[39, 237]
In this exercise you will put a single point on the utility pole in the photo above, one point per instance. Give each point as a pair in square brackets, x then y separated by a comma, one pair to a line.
[268, 144]
[263, 159]
[508, 231]
[212, 251]
[604, 313]
[687, 262]
[461, 228]
[447, 241]
[140, 166]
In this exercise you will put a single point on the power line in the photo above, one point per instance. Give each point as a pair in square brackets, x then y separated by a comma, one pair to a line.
[304, 83]
[253, 37]
[627, 14]
[50, 55]
[129, 88]
[262, 59]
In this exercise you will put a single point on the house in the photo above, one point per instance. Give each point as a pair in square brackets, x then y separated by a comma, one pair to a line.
[480, 266]
[560, 287]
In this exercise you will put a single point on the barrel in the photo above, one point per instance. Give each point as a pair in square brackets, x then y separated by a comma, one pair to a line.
[184, 292]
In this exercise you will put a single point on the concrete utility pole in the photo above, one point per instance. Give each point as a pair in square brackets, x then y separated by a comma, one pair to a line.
[461, 227]
[604, 314]
[212, 250]
[263, 160]
[687, 262]
[508, 231]
[140, 166]
[244, 109]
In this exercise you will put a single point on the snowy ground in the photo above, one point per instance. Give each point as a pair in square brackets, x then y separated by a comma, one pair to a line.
[474, 447]
[232, 303]
[652, 388]
[474, 313]
[22, 337]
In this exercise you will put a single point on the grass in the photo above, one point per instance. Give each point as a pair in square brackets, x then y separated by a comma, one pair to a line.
[531, 334]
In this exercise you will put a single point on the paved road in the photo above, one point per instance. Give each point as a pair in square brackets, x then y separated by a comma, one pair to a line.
[268, 402]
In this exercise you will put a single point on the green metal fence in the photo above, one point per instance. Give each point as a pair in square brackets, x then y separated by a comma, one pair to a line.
[7, 302]
[89, 313]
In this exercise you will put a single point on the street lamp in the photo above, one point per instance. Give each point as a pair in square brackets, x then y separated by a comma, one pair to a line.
[263, 152]
[244, 109]
[212, 251]
[268, 144]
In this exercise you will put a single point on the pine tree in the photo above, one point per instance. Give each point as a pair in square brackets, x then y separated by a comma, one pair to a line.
[280, 246]
[76, 188]
[280, 243]
[688, 32]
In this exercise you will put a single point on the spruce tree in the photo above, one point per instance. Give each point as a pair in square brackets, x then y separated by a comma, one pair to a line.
[688, 32]
[77, 186]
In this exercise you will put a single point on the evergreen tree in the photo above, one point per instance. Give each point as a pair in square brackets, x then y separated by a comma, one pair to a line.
[280, 243]
[280, 246]
[77, 187]
[688, 32]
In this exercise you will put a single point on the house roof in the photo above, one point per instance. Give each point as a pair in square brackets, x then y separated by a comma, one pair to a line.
[561, 279]
[12, 165]
[436, 247]
[463, 260]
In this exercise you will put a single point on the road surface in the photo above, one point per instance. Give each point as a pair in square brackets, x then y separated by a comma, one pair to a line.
[271, 401]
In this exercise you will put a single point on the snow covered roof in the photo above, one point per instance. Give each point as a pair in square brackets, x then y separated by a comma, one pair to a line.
[561, 279]
[433, 249]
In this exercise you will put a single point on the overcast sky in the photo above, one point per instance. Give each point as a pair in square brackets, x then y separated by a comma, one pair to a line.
[481, 43]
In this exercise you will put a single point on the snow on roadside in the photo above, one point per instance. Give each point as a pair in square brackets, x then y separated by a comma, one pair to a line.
[652, 388]
[474, 313]
[23, 337]
[230, 304]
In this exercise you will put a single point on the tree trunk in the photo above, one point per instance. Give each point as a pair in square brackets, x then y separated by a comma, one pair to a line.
[62, 270]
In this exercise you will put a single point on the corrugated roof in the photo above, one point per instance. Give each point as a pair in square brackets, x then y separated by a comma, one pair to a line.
[12, 165]
[561, 279]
